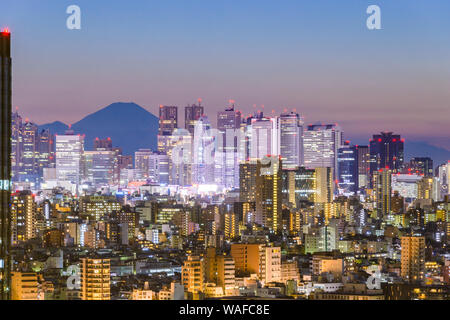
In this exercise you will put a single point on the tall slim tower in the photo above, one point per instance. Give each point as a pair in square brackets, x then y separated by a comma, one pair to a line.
[227, 160]
[5, 163]
[382, 182]
[291, 140]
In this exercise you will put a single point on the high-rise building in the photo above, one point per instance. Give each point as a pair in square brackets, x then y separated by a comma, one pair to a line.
[95, 279]
[422, 165]
[269, 198]
[348, 176]
[443, 175]
[23, 217]
[324, 185]
[142, 161]
[386, 152]
[227, 159]
[69, 151]
[249, 180]
[425, 188]
[382, 185]
[413, 258]
[203, 156]
[98, 167]
[191, 115]
[29, 152]
[168, 120]
[46, 154]
[321, 144]
[264, 137]
[16, 141]
[159, 168]
[180, 158]
[299, 186]
[5, 163]
[363, 166]
[291, 140]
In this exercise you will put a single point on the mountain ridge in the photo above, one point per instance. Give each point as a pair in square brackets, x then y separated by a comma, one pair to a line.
[129, 125]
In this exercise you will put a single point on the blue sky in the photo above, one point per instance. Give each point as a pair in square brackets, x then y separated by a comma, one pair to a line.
[317, 57]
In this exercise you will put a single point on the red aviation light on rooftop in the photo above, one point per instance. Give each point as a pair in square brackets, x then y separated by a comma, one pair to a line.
[6, 30]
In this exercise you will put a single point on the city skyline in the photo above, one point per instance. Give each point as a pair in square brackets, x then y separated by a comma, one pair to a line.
[324, 63]
[206, 200]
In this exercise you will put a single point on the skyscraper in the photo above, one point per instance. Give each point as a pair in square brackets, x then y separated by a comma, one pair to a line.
[46, 155]
[227, 160]
[203, 153]
[321, 143]
[249, 180]
[16, 140]
[269, 198]
[386, 151]
[5, 163]
[69, 151]
[382, 184]
[363, 166]
[141, 161]
[324, 185]
[98, 167]
[422, 165]
[299, 186]
[348, 169]
[264, 137]
[191, 115]
[168, 120]
[291, 140]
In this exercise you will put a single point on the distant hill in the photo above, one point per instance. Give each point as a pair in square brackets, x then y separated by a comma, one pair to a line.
[130, 127]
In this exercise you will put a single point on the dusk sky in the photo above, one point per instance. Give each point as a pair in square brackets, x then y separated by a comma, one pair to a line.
[317, 57]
